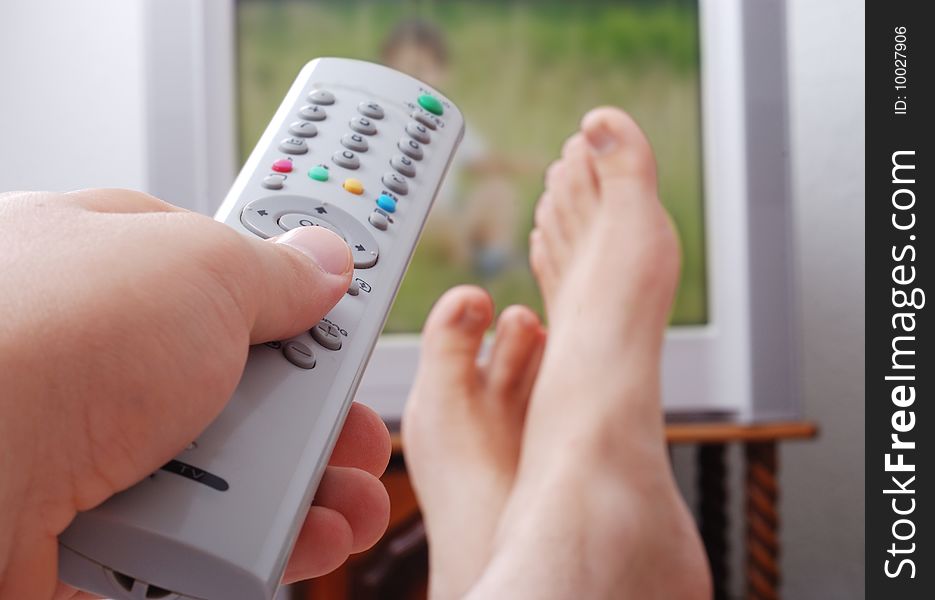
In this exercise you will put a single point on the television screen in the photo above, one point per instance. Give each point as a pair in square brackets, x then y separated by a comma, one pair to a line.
[523, 73]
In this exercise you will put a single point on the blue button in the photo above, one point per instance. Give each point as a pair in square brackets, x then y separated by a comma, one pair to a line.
[387, 203]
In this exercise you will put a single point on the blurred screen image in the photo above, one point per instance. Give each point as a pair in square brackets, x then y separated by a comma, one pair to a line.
[523, 73]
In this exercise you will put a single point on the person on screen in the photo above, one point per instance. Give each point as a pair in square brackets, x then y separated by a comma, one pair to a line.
[541, 473]
[476, 214]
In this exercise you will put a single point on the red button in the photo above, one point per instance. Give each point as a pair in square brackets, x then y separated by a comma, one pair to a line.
[282, 165]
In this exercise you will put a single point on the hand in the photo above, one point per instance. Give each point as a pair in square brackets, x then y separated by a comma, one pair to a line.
[126, 324]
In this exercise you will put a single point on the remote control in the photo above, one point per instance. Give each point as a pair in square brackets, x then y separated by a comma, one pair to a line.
[362, 150]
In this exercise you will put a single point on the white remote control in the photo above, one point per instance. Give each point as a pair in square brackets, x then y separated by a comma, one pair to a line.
[362, 150]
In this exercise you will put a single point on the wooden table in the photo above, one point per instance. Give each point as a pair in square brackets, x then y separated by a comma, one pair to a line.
[397, 567]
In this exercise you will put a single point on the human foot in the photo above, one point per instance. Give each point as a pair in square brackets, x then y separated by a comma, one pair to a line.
[463, 426]
[595, 511]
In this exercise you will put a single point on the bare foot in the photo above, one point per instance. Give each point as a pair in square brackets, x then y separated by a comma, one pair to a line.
[463, 427]
[594, 511]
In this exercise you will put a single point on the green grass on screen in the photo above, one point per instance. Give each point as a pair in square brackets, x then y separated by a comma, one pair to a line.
[523, 73]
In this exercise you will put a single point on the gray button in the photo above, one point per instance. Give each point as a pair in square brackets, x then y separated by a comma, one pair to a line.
[312, 113]
[404, 165]
[299, 354]
[293, 145]
[396, 182]
[273, 182]
[346, 159]
[410, 148]
[370, 109]
[364, 256]
[379, 220]
[293, 220]
[321, 97]
[327, 335]
[354, 288]
[303, 129]
[363, 125]
[270, 215]
[424, 118]
[418, 132]
[354, 141]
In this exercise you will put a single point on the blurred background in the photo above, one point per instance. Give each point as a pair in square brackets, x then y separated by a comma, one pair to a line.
[523, 73]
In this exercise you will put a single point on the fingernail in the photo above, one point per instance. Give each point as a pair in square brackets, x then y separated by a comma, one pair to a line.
[322, 246]
[601, 139]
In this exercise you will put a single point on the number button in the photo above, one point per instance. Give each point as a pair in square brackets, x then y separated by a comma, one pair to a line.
[410, 148]
[363, 125]
[293, 145]
[321, 97]
[396, 182]
[346, 159]
[304, 129]
[370, 109]
[418, 132]
[354, 141]
[404, 165]
[312, 113]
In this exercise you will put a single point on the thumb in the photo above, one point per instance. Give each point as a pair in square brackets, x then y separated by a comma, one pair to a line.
[304, 273]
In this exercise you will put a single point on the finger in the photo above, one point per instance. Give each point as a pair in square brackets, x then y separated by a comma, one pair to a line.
[114, 200]
[324, 544]
[361, 498]
[364, 442]
[301, 275]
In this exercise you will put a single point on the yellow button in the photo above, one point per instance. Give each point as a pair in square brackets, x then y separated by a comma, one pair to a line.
[354, 186]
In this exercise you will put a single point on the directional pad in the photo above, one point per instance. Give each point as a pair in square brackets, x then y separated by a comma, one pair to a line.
[270, 216]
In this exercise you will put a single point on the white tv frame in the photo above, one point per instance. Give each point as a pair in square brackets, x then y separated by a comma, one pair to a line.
[739, 366]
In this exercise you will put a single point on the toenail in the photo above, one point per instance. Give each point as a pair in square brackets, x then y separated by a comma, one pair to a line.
[601, 139]
[473, 317]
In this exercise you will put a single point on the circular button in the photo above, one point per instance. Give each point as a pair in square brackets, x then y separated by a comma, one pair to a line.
[319, 173]
[304, 129]
[293, 145]
[312, 113]
[299, 354]
[354, 141]
[321, 97]
[346, 159]
[294, 220]
[270, 215]
[424, 118]
[363, 125]
[387, 203]
[370, 109]
[431, 104]
[410, 148]
[354, 186]
[283, 165]
[404, 165]
[418, 132]
[396, 182]
[327, 335]
[354, 288]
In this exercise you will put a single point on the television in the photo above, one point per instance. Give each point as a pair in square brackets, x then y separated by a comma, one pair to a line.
[705, 78]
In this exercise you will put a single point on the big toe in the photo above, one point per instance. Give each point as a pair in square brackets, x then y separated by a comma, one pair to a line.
[620, 152]
[453, 334]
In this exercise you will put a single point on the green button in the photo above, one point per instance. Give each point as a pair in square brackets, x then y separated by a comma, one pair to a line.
[431, 104]
[318, 173]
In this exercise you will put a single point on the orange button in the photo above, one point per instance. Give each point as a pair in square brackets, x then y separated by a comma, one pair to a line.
[354, 186]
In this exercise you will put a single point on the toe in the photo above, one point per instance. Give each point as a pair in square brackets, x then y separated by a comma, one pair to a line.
[453, 335]
[620, 153]
[519, 335]
[540, 261]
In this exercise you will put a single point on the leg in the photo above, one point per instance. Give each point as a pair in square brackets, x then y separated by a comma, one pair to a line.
[462, 429]
[595, 512]
[762, 522]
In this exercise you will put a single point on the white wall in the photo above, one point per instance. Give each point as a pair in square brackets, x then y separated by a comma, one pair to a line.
[71, 94]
